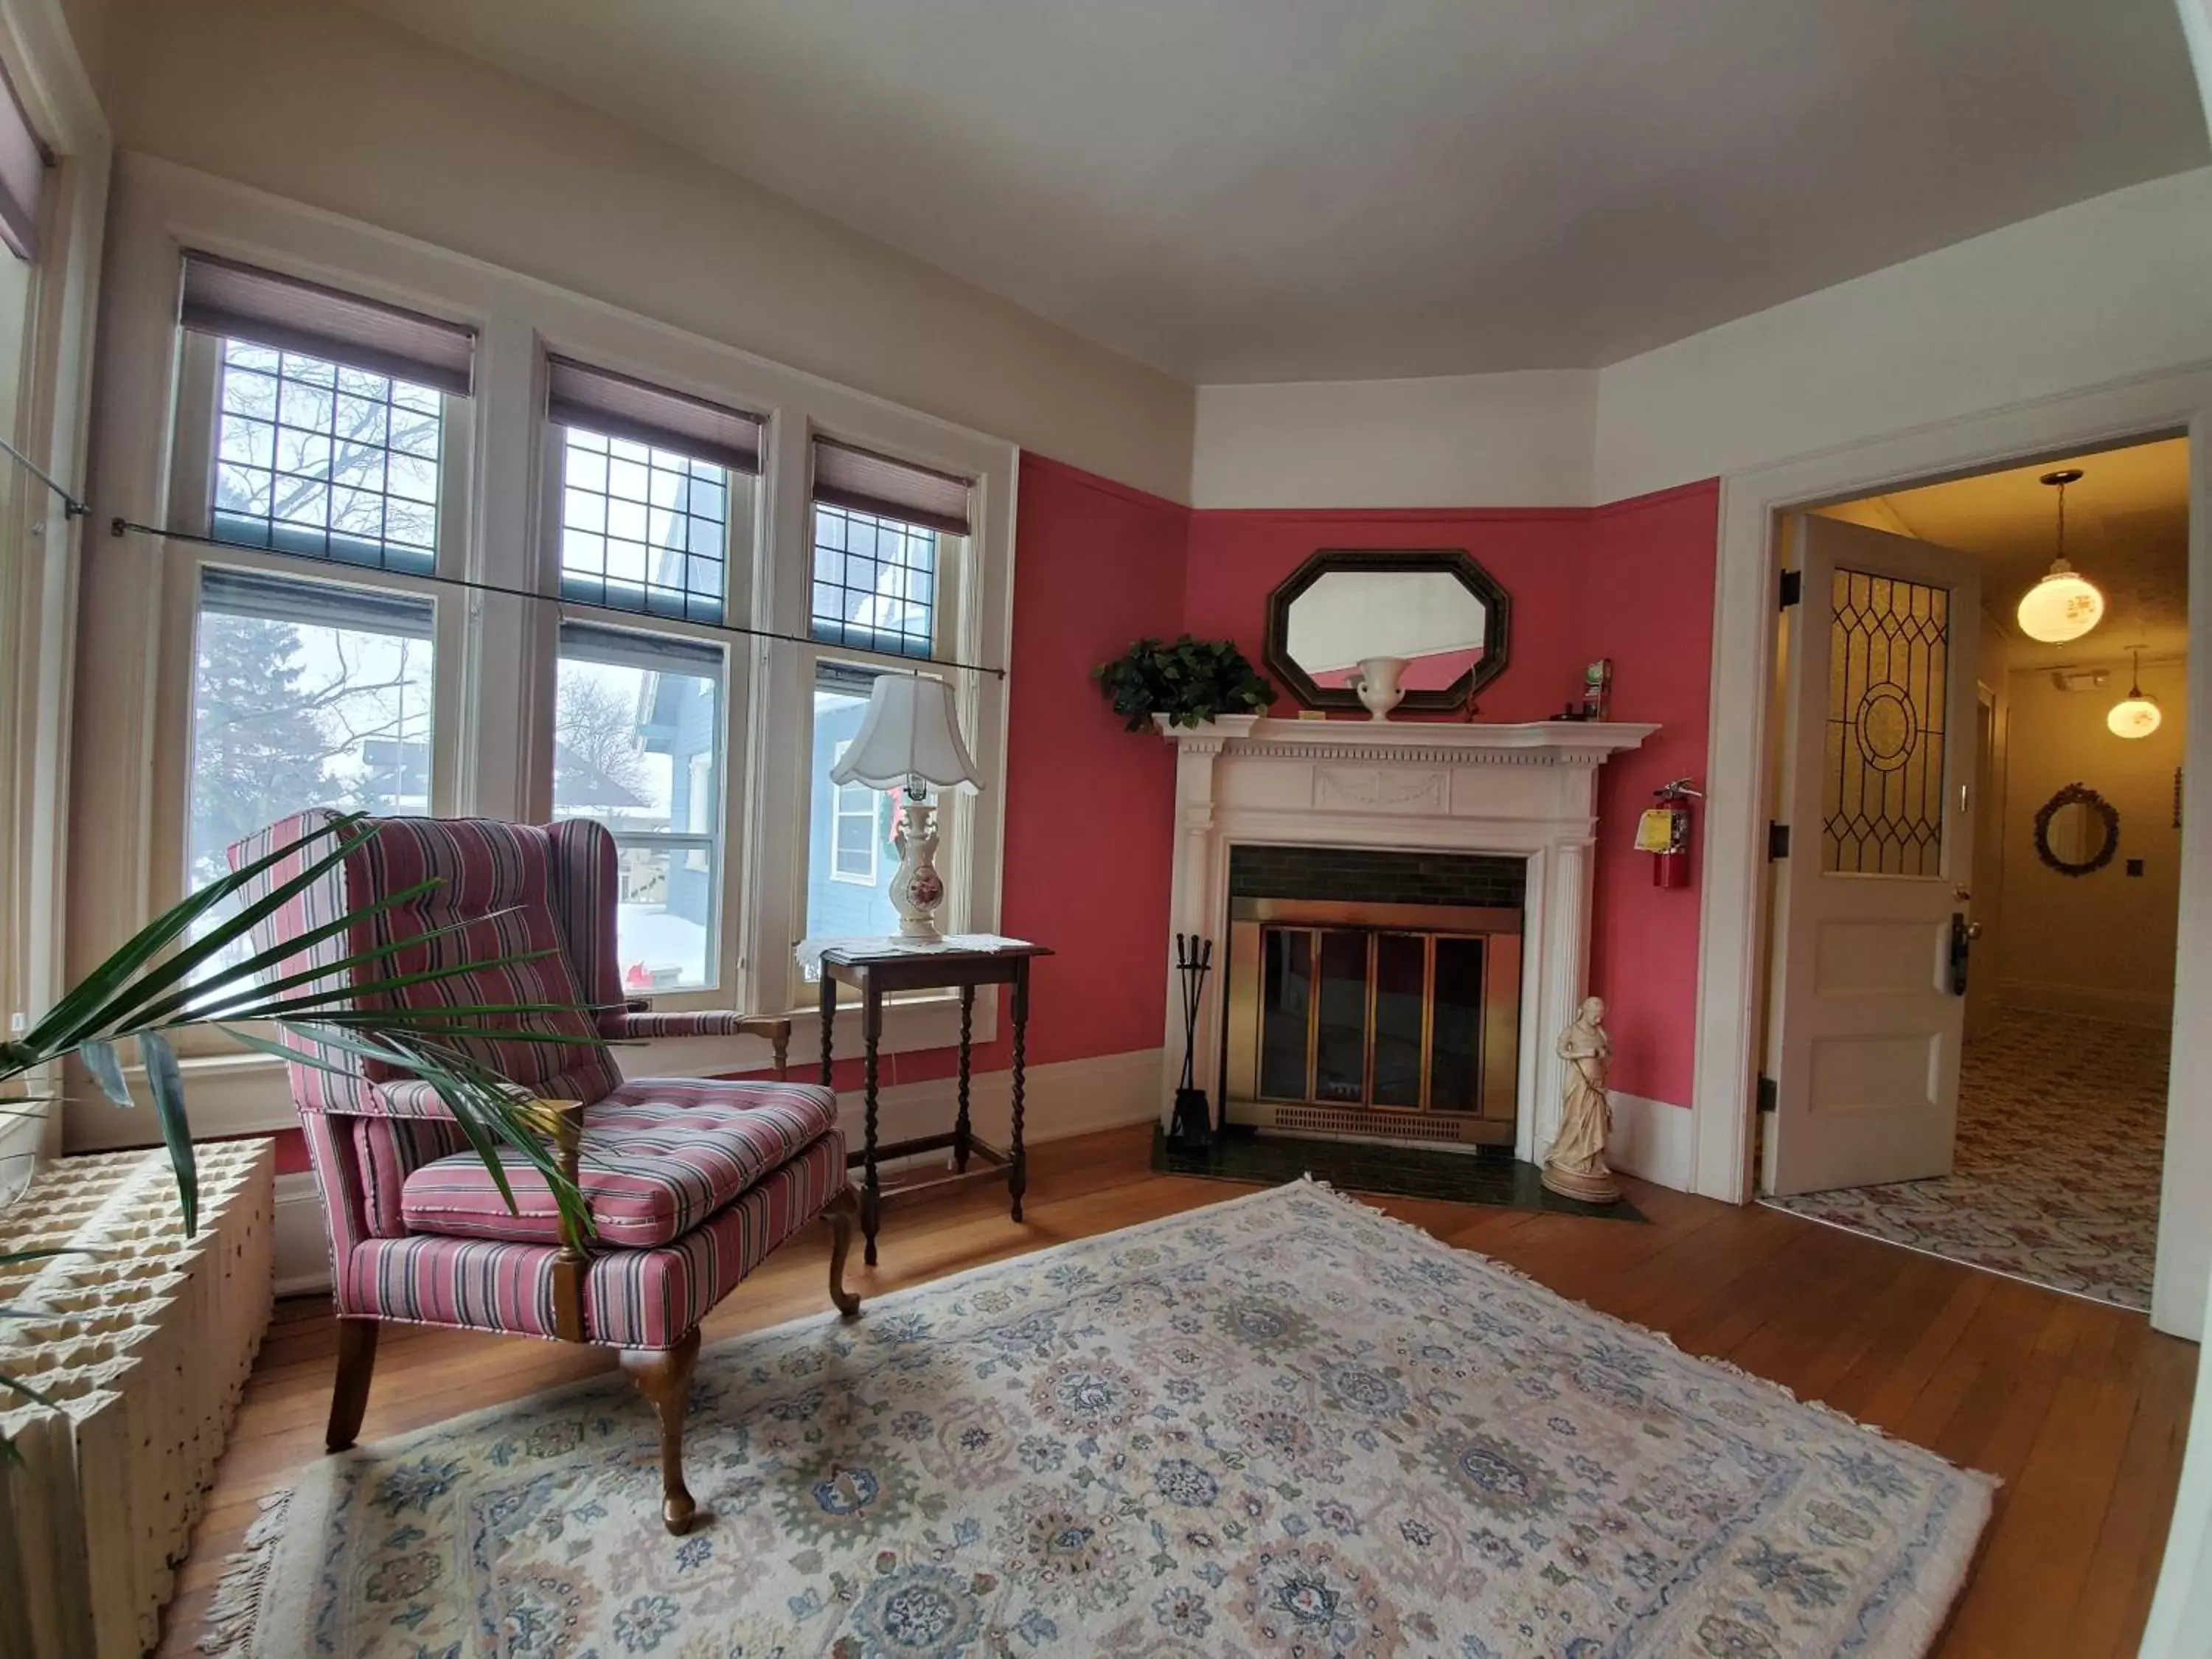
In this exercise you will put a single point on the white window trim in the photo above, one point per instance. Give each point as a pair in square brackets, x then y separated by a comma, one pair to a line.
[840, 812]
[505, 649]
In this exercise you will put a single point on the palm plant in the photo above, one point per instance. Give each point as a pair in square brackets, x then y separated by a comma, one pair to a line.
[173, 975]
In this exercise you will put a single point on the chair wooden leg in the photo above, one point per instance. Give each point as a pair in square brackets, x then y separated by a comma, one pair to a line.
[839, 1214]
[663, 1375]
[349, 1396]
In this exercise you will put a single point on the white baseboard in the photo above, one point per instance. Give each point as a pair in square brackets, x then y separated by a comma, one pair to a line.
[2150, 1008]
[1067, 1097]
[1653, 1141]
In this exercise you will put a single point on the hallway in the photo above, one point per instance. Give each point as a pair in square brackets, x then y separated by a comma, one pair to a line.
[2061, 1124]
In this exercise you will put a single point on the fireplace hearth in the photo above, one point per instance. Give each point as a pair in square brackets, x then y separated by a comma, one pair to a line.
[1388, 1009]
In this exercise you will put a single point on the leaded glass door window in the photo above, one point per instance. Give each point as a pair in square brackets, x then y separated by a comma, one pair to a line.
[1881, 800]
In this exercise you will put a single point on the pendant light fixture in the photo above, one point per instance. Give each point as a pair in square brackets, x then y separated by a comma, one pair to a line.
[2063, 606]
[2135, 715]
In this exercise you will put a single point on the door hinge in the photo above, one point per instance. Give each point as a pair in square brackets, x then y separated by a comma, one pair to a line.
[1793, 587]
[1767, 1092]
[1777, 842]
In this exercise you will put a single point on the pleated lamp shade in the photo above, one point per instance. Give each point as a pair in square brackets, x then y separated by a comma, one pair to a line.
[909, 732]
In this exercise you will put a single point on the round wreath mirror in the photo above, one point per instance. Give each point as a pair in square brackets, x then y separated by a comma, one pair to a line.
[2077, 831]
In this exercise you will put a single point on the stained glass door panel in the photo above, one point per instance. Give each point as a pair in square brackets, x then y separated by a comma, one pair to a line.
[1882, 797]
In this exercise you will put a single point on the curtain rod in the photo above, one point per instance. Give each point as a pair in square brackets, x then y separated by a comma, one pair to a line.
[72, 507]
[120, 526]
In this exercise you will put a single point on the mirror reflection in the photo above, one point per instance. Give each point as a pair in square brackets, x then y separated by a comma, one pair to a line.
[2077, 831]
[2071, 828]
[1426, 619]
[1423, 628]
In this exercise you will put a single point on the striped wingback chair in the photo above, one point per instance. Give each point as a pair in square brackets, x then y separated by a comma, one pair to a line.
[690, 1182]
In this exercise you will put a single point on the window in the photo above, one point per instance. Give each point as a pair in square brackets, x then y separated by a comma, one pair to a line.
[855, 828]
[317, 458]
[847, 880]
[875, 582]
[637, 744]
[642, 528]
[304, 694]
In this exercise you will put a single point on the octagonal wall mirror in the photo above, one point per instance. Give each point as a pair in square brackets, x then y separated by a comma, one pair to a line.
[1435, 610]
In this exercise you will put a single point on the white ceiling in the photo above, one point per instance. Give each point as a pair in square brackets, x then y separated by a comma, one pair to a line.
[2127, 531]
[1272, 190]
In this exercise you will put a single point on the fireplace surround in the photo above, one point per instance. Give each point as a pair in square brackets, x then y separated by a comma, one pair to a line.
[1522, 797]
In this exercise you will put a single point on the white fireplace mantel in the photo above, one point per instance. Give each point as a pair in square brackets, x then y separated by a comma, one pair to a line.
[1526, 790]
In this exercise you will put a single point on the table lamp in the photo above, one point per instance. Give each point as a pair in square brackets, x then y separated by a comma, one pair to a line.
[910, 737]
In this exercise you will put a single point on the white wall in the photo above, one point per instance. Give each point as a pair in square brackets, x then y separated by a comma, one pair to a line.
[1452, 440]
[2098, 292]
[320, 102]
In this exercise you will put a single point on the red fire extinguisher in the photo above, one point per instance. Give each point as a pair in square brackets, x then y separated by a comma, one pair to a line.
[1663, 830]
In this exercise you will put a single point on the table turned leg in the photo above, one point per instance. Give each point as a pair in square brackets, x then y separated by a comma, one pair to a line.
[1017, 1177]
[828, 1021]
[961, 1138]
[872, 1192]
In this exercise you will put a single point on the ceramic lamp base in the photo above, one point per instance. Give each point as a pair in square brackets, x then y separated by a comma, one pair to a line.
[917, 890]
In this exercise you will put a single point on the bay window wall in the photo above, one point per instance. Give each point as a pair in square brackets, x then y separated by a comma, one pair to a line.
[450, 541]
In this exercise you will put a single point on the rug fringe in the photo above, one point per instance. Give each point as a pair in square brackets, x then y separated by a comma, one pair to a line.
[1734, 1370]
[234, 1613]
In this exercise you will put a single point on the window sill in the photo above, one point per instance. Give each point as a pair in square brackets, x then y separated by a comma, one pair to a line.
[246, 1094]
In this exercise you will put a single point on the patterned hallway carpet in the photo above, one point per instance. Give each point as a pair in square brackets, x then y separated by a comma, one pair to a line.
[2062, 1128]
[1282, 1425]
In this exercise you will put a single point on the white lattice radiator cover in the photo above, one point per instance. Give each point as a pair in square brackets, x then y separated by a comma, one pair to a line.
[145, 1359]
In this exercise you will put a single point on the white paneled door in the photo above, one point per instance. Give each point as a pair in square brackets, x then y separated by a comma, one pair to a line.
[1871, 906]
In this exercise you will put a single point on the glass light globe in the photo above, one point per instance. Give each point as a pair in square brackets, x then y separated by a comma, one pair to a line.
[2134, 716]
[2063, 606]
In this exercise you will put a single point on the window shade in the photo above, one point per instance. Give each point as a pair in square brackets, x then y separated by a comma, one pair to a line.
[239, 302]
[277, 598]
[654, 652]
[577, 394]
[22, 174]
[865, 482]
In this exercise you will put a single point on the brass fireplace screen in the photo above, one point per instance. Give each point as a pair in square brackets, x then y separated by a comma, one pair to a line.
[1395, 1020]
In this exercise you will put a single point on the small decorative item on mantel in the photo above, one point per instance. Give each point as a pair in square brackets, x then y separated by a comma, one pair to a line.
[1596, 700]
[1186, 683]
[1376, 681]
[1576, 1167]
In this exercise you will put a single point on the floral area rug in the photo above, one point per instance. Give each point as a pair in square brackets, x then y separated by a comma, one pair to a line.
[2062, 1136]
[1284, 1425]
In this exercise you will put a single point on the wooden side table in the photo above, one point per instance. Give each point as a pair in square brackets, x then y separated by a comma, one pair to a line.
[875, 972]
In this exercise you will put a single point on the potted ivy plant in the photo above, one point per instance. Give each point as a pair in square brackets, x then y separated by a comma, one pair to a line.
[1188, 682]
[173, 973]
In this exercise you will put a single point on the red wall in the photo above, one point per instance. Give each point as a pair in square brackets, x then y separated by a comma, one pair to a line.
[1647, 603]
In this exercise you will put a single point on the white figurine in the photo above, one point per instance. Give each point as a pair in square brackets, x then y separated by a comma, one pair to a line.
[1576, 1166]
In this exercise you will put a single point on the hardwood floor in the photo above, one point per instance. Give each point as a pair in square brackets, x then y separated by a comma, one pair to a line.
[2080, 1408]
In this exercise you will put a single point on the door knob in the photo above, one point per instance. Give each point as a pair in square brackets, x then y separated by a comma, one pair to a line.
[1973, 930]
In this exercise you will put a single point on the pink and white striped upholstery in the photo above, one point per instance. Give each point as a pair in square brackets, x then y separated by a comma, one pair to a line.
[691, 1182]
[660, 1156]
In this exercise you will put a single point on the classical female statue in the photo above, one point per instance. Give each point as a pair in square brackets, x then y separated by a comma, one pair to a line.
[1576, 1166]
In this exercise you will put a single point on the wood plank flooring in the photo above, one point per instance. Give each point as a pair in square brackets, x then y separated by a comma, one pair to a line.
[2080, 1408]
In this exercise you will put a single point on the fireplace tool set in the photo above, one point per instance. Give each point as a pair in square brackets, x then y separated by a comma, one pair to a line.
[1193, 1126]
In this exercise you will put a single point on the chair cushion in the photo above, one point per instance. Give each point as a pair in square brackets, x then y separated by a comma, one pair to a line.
[660, 1157]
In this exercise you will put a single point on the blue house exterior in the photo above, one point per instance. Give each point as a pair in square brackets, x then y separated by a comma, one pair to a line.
[841, 906]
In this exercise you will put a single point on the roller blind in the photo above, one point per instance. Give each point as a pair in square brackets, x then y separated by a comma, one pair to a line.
[654, 652]
[243, 302]
[22, 174]
[598, 400]
[864, 482]
[279, 599]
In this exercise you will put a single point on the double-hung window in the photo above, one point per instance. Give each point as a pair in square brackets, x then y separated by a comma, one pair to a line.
[650, 511]
[887, 536]
[316, 445]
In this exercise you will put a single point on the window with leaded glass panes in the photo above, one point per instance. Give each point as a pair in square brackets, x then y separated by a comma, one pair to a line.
[325, 461]
[875, 582]
[642, 528]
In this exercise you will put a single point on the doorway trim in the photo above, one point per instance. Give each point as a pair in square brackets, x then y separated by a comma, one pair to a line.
[1733, 916]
